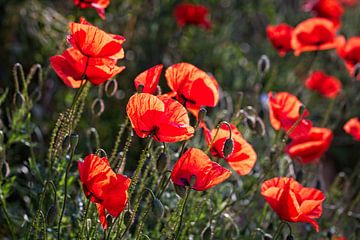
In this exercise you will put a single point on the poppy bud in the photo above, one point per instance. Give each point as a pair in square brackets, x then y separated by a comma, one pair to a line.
[109, 219]
[51, 215]
[357, 70]
[162, 162]
[74, 140]
[127, 217]
[228, 147]
[192, 180]
[18, 99]
[66, 143]
[140, 88]
[180, 190]
[259, 127]
[202, 114]
[263, 64]
[158, 208]
[206, 234]
[290, 237]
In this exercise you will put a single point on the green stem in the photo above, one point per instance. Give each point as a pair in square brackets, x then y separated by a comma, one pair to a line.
[328, 112]
[118, 139]
[182, 213]
[7, 218]
[65, 192]
[279, 230]
[84, 219]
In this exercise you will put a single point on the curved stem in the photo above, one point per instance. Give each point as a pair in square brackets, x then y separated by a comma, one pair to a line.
[279, 230]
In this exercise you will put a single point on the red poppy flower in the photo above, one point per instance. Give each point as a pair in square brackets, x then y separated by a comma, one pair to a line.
[192, 87]
[327, 86]
[72, 67]
[195, 162]
[352, 127]
[160, 116]
[293, 202]
[329, 9]
[98, 5]
[94, 42]
[243, 157]
[284, 111]
[280, 37]
[192, 14]
[350, 53]
[103, 187]
[149, 79]
[315, 34]
[309, 148]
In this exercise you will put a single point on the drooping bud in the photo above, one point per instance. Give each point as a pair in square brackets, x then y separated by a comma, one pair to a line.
[228, 147]
[263, 64]
[51, 215]
[74, 140]
[18, 99]
[251, 122]
[202, 114]
[140, 88]
[127, 217]
[206, 234]
[180, 190]
[162, 161]
[158, 208]
[290, 237]
[267, 236]
[66, 143]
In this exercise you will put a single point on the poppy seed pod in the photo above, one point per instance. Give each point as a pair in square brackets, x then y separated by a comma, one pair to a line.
[180, 190]
[158, 208]
[228, 147]
[263, 64]
[162, 162]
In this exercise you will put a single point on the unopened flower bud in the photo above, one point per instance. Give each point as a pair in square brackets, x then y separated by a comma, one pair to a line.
[251, 123]
[109, 219]
[158, 208]
[51, 215]
[228, 147]
[206, 234]
[290, 237]
[127, 217]
[202, 114]
[18, 99]
[140, 88]
[66, 143]
[180, 190]
[162, 161]
[263, 64]
[74, 140]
